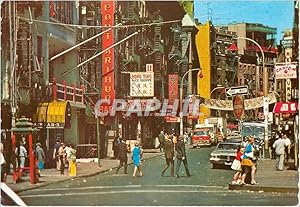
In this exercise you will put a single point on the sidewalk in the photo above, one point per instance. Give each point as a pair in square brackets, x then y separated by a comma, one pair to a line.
[271, 180]
[84, 169]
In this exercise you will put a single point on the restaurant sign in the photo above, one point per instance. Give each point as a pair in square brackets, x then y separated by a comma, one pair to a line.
[108, 91]
[286, 70]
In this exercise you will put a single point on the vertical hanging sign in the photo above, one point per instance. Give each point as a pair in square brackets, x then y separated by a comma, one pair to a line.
[173, 88]
[108, 91]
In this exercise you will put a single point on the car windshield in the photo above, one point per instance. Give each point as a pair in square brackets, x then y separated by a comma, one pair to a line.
[223, 146]
[199, 133]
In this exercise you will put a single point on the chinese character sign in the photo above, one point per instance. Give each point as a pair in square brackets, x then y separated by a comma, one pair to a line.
[284, 71]
[173, 87]
[141, 84]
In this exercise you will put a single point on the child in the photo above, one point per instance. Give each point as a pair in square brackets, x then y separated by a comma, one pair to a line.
[236, 165]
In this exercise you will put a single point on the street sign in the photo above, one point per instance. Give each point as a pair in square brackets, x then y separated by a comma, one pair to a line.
[239, 90]
[238, 107]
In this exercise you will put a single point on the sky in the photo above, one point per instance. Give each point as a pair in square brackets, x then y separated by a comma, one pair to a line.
[278, 13]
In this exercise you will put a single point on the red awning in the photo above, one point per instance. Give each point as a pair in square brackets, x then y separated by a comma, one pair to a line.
[285, 107]
[232, 47]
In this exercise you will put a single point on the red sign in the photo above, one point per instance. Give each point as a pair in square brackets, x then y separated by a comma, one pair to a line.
[285, 107]
[108, 90]
[172, 119]
[173, 87]
[238, 107]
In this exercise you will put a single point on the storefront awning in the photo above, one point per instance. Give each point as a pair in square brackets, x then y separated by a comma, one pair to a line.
[58, 114]
[285, 107]
[53, 115]
[40, 118]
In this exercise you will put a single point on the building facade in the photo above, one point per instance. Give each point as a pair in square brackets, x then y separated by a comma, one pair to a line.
[58, 74]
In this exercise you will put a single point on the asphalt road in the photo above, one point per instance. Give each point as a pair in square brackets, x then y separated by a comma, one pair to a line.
[206, 186]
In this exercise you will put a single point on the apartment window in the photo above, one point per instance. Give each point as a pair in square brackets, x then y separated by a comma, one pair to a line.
[62, 11]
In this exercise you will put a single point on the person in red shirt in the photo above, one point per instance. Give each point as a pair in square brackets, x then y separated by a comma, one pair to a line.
[236, 165]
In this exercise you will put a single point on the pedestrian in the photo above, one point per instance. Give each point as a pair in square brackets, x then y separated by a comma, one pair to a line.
[72, 160]
[161, 139]
[137, 153]
[40, 156]
[287, 148]
[271, 149]
[169, 155]
[236, 165]
[181, 156]
[116, 143]
[55, 154]
[279, 146]
[68, 149]
[61, 154]
[22, 153]
[247, 164]
[122, 156]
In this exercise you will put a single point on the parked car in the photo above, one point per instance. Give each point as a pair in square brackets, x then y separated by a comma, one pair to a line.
[224, 154]
[201, 137]
[234, 138]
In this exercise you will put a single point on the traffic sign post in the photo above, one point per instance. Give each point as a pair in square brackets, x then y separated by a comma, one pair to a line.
[239, 90]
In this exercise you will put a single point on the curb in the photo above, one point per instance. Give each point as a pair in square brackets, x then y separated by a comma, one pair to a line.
[80, 176]
[263, 188]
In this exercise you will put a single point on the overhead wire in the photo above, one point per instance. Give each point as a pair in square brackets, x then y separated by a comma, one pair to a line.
[95, 26]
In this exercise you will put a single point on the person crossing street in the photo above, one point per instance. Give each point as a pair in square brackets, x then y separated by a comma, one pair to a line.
[169, 155]
[181, 156]
[161, 138]
[122, 156]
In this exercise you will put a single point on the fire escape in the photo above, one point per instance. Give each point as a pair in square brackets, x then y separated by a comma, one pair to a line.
[90, 73]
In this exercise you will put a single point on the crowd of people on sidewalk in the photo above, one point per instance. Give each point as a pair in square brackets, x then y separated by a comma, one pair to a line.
[21, 159]
[245, 160]
[65, 155]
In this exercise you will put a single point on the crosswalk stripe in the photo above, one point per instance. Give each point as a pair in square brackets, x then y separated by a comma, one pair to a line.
[127, 186]
[124, 192]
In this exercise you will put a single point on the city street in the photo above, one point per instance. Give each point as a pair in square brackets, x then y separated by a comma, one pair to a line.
[206, 186]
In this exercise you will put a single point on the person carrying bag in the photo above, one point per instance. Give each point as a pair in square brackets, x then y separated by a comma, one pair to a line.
[247, 162]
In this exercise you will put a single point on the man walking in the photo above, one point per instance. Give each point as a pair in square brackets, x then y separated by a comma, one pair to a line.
[279, 146]
[55, 154]
[287, 148]
[122, 156]
[161, 139]
[181, 156]
[169, 155]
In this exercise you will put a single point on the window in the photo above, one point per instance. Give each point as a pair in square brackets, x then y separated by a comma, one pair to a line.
[62, 11]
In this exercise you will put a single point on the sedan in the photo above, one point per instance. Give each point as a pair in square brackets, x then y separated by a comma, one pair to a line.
[224, 154]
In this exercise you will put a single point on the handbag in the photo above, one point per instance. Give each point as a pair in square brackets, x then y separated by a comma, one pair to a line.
[236, 165]
[247, 162]
[249, 154]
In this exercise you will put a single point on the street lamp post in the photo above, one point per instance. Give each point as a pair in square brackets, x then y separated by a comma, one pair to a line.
[265, 87]
[216, 88]
[181, 97]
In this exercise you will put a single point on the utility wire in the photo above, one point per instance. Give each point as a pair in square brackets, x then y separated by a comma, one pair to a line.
[94, 26]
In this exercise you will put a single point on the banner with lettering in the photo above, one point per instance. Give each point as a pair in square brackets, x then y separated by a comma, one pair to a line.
[173, 87]
[108, 91]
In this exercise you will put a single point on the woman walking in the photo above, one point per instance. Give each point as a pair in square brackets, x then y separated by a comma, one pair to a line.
[236, 165]
[40, 155]
[247, 164]
[136, 157]
[72, 161]
[61, 154]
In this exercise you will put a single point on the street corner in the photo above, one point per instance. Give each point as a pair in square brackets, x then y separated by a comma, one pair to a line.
[261, 188]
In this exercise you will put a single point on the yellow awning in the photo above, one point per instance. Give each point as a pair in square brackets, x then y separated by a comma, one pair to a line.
[56, 112]
[41, 112]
